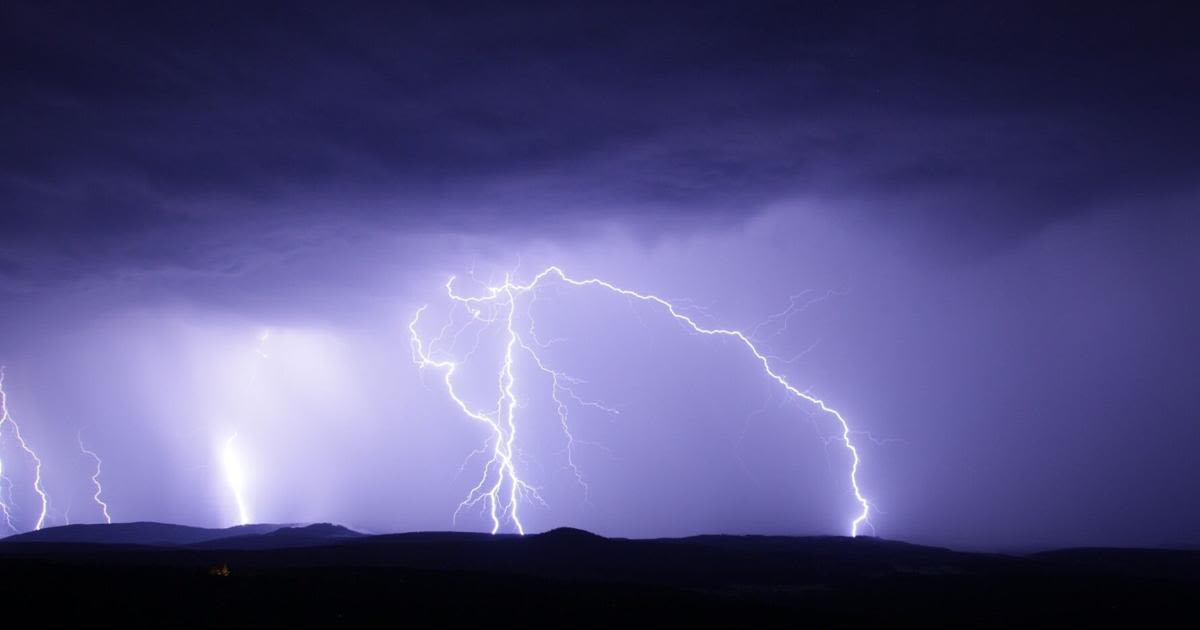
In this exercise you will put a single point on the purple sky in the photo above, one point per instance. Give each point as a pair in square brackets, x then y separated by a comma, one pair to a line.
[1000, 203]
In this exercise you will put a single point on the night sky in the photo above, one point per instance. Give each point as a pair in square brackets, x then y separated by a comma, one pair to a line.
[220, 219]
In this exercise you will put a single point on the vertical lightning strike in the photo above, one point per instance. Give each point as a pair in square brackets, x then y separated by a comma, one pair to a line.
[505, 296]
[501, 422]
[235, 477]
[231, 460]
[508, 402]
[95, 477]
[5, 499]
[6, 418]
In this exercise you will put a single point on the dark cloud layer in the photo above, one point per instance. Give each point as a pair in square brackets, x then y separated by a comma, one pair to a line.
[150, 122]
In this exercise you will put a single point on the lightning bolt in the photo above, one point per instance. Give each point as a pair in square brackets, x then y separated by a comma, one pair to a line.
[501, 496]
[231, 461]
[6, 418]
[95, 477]
[5, 499]
[498, 303]
[235, 478]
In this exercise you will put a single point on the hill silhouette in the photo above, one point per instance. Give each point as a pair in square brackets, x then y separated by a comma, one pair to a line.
[284, 537]
[139, 533]
[326, 572]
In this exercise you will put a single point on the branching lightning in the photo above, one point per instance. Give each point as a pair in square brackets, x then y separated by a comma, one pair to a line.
[501, 488]
[95, 478]
[7, 419]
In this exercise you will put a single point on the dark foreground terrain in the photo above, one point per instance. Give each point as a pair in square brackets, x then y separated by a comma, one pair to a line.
[155, 574]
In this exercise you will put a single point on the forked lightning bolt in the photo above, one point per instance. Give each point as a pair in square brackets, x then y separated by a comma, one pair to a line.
[502, 423]
[7, 419]
[95, 478]
[500, 487]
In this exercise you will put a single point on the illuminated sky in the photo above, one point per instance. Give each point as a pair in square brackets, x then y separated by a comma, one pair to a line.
[999, 204]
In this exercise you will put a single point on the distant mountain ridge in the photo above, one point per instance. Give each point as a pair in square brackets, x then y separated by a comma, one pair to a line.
[285, 537]
[147, 533]
[569, 553]
[152, 534]
[323, 571]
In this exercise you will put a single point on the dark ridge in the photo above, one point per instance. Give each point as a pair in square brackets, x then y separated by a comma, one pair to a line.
[568, 534]
[326, 572]
[284, 537]
[316, 530]
[409, 538]
[1176, 563]
[137, 533]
